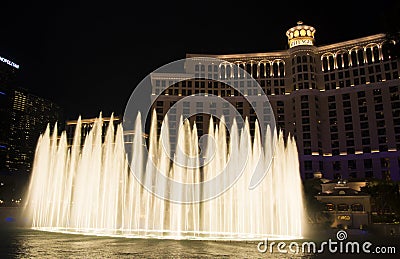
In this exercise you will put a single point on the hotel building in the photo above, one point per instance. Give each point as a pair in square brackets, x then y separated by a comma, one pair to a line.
[8, 76]
[340, 101]
[29, 117]
[23, 117]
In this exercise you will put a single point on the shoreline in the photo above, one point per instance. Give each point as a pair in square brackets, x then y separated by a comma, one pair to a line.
[11, 217]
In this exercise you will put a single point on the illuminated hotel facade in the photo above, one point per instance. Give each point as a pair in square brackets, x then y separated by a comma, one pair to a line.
[340, 101]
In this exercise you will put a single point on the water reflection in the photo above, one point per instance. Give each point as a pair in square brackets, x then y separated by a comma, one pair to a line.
[23, 243]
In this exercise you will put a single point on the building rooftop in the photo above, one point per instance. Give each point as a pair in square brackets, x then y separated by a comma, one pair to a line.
[343, 191]
[283, 53]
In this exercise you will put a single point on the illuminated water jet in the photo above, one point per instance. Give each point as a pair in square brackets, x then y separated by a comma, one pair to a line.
[88, 188]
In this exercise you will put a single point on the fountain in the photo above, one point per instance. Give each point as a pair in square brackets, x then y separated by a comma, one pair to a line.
[87, 188]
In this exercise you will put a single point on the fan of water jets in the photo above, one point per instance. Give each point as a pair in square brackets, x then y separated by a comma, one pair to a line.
[88, 187]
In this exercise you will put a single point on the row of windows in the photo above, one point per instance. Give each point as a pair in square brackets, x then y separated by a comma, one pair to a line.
[303, 76]
[344, 207]
[360, 71]
[263, 83]
[280, 82]
[366, 140]
[332, 112]
[221, 92]
[303, 59]
[304, 85]
[360, 94]
[350, 149]
[350, 164]
[361, 80]
[210, 68]
[303, 68]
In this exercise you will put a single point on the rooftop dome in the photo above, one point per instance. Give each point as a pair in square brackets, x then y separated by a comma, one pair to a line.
[300, 35]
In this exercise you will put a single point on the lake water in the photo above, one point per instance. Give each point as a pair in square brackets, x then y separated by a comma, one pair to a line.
[26, 243]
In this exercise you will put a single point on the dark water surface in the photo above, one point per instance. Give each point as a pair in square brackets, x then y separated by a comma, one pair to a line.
[26, 243]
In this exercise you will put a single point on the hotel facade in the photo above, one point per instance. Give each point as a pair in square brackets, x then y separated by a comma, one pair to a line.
[341, 101]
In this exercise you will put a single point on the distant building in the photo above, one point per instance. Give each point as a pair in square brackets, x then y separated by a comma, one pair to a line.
[23, 117]
[29, 117]
[88, 123]
[328, 186]
[8, 76]
[350, 207]
[86, 127]
[341, 101]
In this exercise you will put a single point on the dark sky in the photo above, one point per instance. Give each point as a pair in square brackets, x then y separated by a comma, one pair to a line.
[89, 57]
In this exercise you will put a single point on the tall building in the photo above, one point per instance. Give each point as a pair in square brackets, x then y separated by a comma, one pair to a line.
[23, 117]
[340, 101]
[29, 117]
[8, 77]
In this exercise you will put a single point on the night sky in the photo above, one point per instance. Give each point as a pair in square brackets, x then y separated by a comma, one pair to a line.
[89, 57]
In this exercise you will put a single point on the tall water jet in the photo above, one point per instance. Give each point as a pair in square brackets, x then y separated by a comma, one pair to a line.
[89, 188]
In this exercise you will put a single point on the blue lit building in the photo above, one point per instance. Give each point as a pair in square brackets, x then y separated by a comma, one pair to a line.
[8, 76]
[23, 117]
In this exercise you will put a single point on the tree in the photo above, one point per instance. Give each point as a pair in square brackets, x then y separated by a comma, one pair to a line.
[385, 197]
[315, 210]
